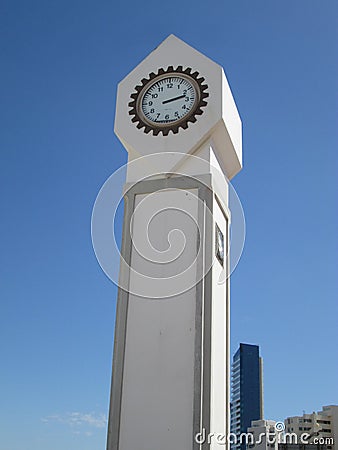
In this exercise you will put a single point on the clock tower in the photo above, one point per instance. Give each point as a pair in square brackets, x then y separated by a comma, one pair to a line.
[176, 117]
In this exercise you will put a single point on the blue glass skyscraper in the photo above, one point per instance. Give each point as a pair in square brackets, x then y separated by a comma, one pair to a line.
[246, 391]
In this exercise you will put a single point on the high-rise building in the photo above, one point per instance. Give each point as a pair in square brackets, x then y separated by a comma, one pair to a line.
[321, 426]
[246, 391]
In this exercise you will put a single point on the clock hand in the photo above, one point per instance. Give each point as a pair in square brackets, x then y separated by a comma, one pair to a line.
[173, 99]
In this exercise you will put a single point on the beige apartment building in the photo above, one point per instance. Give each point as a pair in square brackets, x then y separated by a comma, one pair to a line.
[264, 435]
[322, 426]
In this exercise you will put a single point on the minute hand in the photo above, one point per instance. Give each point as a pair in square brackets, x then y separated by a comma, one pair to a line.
[173, 99]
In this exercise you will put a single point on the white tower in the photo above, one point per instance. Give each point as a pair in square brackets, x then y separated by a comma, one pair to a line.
[176, 117]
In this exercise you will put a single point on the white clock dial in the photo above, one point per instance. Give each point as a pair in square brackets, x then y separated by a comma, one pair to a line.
[168, 100]
[219, 245]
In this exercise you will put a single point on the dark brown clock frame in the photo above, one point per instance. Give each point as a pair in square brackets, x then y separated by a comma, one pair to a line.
[175, 126]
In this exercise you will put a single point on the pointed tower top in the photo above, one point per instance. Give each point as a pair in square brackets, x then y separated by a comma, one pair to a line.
[174, 101]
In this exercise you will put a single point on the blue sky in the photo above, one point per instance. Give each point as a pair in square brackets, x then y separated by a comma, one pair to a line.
[60, 64]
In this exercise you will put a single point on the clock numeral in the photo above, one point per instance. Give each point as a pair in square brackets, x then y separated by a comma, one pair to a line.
[154, 95]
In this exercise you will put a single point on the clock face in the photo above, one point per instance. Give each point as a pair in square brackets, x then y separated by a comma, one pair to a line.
[219, 245]
[168, 100]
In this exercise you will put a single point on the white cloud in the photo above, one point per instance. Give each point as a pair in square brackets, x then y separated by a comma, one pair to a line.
[78, 420]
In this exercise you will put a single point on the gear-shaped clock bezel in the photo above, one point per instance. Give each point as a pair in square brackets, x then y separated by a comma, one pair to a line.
[164, 128]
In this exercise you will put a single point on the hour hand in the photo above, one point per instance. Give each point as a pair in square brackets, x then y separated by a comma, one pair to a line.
[173, 99]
